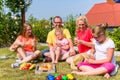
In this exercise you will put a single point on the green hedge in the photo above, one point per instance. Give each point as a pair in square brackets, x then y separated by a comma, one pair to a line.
[9, 29]
[115, 36]
[41, 32]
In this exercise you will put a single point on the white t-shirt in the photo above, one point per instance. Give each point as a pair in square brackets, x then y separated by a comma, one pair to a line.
[101, 50]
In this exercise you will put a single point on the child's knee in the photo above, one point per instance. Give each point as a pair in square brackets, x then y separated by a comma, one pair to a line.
[36, 54]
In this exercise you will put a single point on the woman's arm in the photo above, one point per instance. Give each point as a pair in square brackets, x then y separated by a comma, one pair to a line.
[89, 44]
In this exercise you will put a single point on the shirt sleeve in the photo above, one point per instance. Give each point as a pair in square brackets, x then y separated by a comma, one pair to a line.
[49, 40]
[66, 33]
[111, 44]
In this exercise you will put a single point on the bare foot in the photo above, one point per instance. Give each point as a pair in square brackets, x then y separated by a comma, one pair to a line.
[107, 75]
[55, 62]
[75, 72]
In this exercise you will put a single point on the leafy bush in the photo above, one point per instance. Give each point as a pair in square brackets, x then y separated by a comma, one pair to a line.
[40, 28]
[9, 29]
[41, 32]
[70, 24]
[115, 36]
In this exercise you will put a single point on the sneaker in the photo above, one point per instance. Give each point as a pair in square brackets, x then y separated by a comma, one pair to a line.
[115, 70]
[15, 65]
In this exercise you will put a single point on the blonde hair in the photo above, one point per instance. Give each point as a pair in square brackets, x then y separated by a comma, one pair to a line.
[81, 18]
[97, 30]
[59, 30]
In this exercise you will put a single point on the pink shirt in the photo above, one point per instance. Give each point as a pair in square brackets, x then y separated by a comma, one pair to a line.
[86, 36]
[63, 43]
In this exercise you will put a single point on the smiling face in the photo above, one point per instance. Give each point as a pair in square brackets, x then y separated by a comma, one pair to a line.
[81, 25]
[28, 31]
[59, 34]
[57, 22]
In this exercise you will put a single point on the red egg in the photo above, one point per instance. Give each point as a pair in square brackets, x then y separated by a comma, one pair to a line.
[58, 78]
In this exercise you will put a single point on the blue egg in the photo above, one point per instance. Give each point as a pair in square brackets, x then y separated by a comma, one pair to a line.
[50, 77]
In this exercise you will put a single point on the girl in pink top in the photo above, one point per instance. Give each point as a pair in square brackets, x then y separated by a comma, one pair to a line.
[60, 50]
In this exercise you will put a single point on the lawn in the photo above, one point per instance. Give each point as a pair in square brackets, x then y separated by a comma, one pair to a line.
[8, 73]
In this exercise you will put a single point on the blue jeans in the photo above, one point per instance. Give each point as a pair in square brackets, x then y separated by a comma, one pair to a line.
[45, 51]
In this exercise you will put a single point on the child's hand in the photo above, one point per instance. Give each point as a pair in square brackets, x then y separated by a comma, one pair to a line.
[14, 47]
[91, 56]
[75, 72]
[58, 44]
[92, 61]
[72, 52]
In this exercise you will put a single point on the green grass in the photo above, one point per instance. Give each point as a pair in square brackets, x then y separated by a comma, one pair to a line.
[8, 73]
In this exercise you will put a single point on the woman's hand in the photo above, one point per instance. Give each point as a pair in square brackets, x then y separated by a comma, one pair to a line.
[75, 41]
[80, 41]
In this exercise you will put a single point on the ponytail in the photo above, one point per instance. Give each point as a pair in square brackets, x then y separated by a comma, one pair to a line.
[97, 30]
